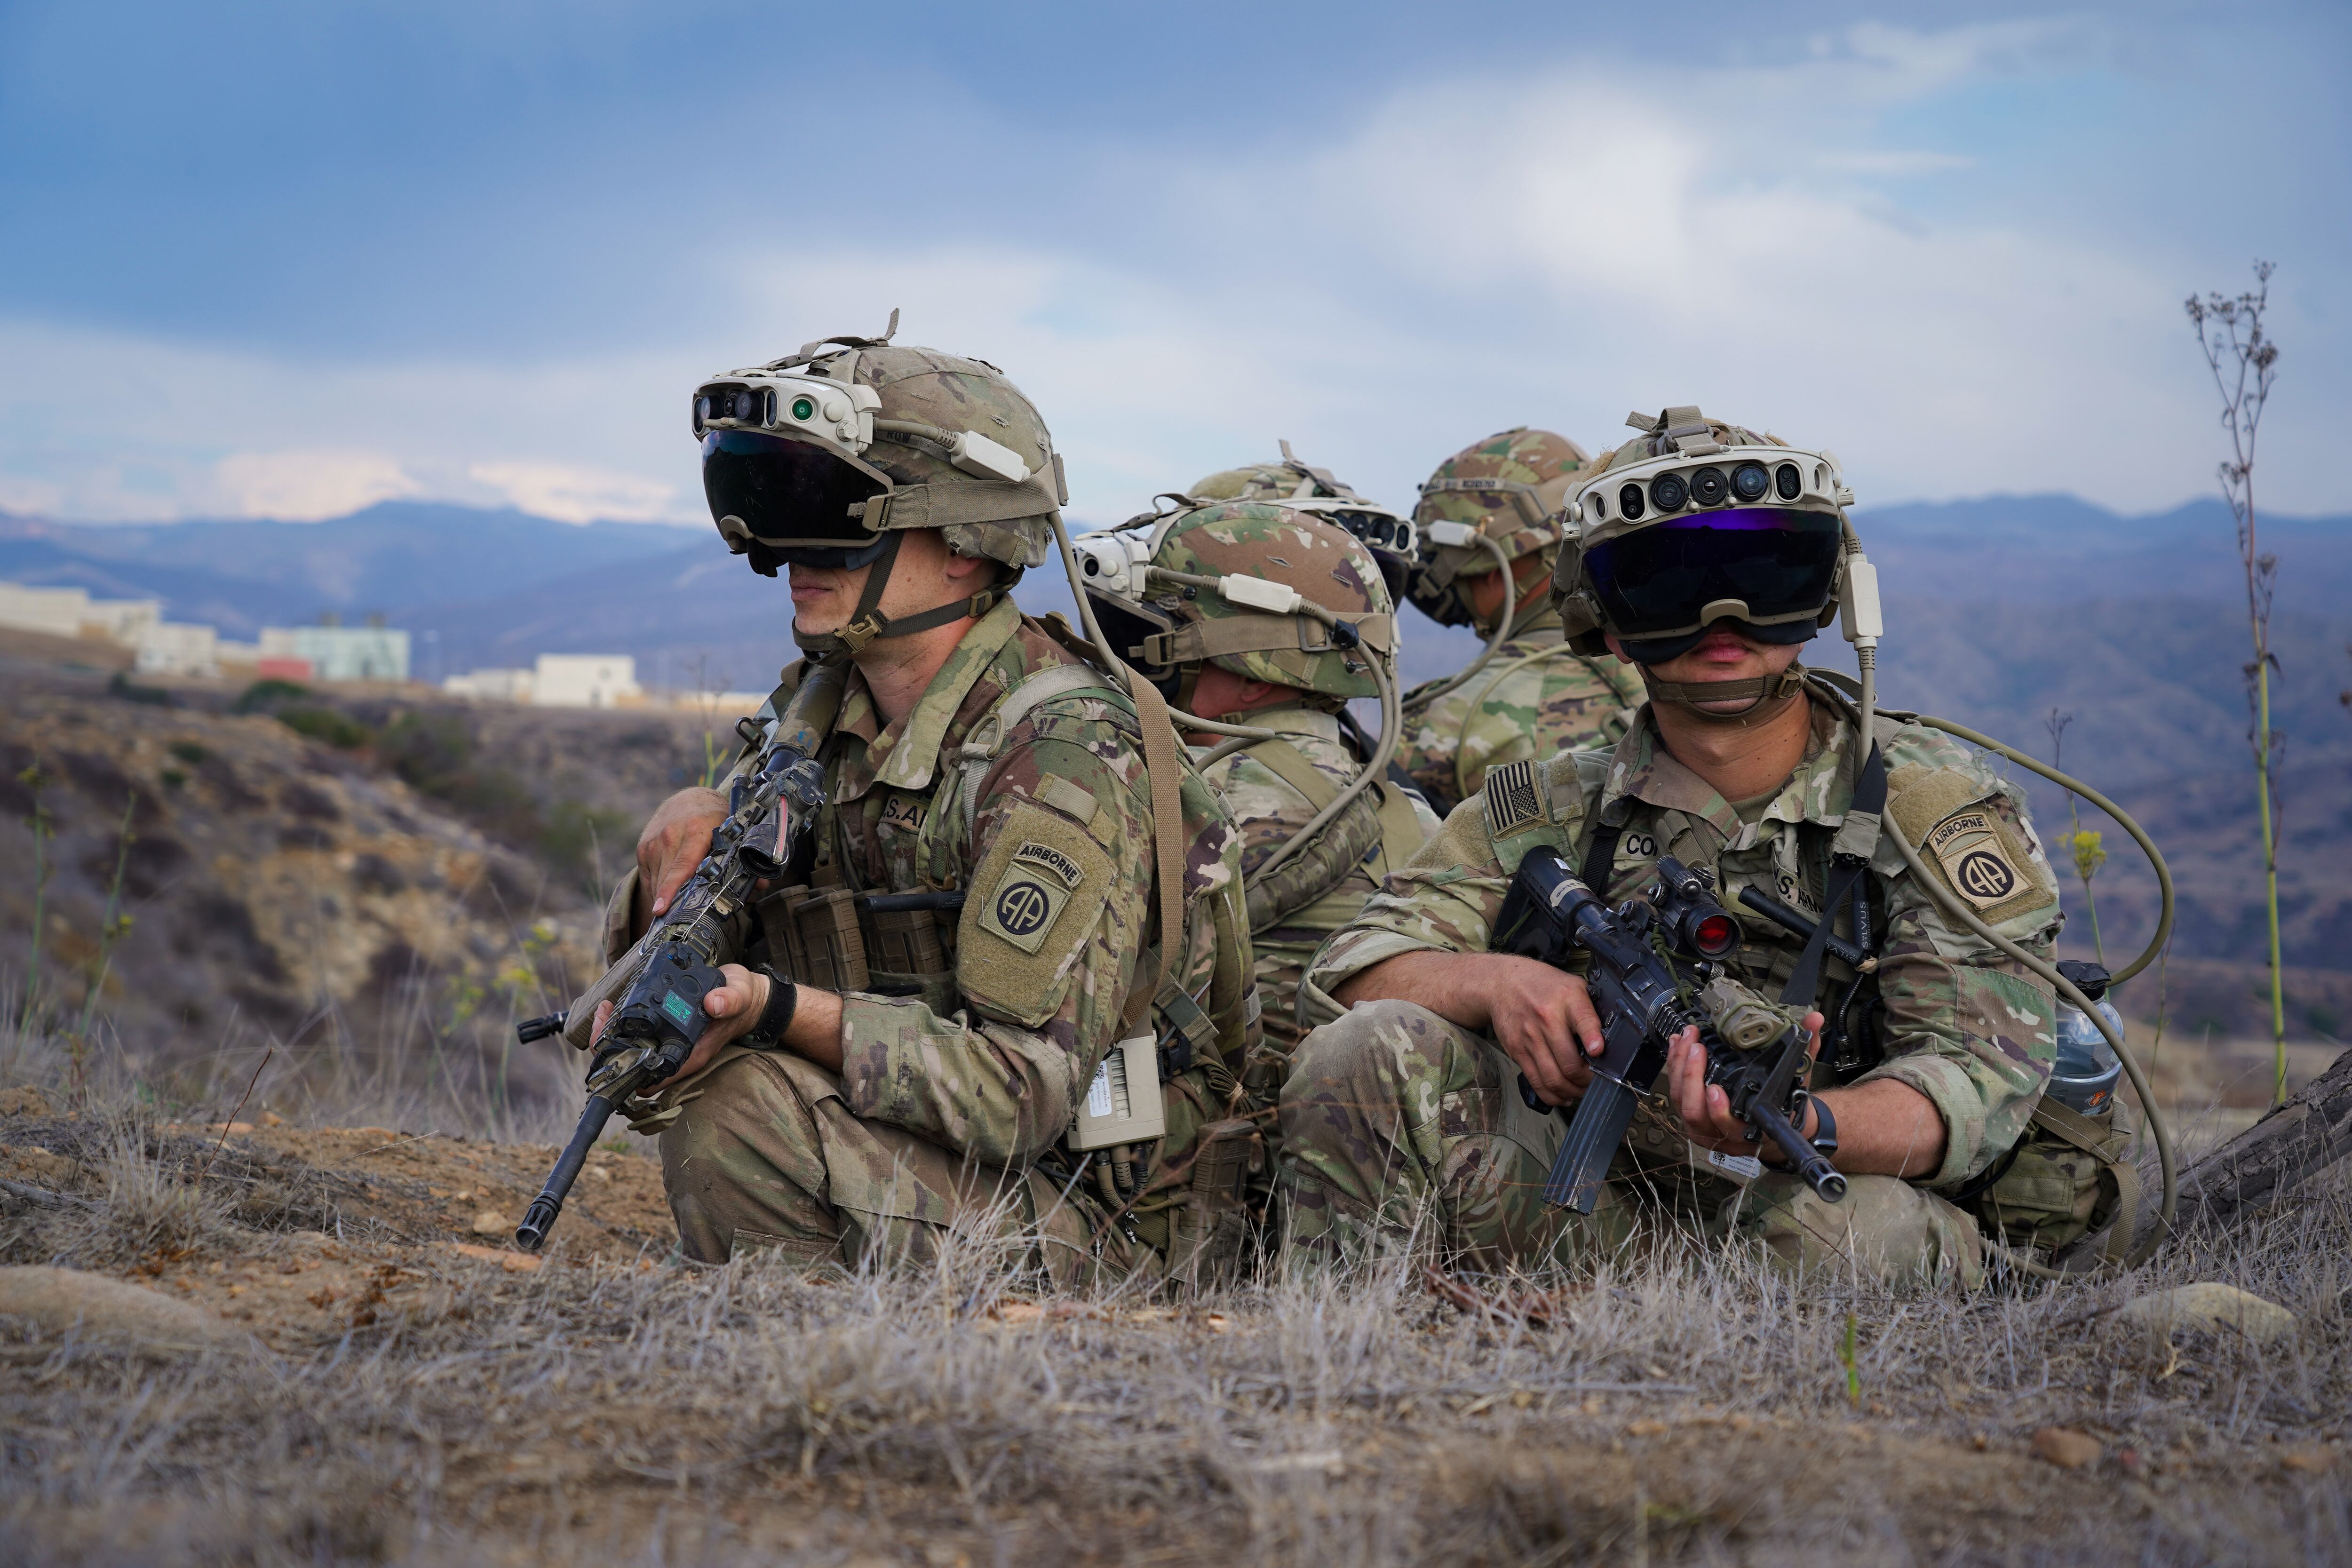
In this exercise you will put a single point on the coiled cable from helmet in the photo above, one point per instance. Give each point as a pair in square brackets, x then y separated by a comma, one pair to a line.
[1392, 724]
[1950, 903]
[1495, 640]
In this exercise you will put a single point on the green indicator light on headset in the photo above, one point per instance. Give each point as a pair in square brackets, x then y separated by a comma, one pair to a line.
[803, 409]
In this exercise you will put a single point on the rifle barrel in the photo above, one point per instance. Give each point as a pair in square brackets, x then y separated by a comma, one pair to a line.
[532, 1234]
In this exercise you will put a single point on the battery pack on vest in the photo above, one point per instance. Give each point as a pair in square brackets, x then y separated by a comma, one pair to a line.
[1123, 1104]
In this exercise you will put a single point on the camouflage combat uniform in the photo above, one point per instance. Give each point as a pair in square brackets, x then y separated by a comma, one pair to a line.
[1533, 698]
[1256, 788]
[1391, 1108]
[956, 1089]
[1536, 699]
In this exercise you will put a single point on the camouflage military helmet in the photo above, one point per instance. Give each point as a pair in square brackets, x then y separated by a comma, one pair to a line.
[1508, 488]
[1696, 520]
[1391, 539]
[1202, 584]
[816, 456]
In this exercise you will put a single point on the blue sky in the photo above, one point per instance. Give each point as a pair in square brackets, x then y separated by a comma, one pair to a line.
[283, 261]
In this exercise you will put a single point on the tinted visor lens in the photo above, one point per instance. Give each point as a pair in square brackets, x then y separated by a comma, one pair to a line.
[1779, 560]
[788, 492]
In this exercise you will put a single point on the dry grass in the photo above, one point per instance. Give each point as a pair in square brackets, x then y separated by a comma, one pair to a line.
[614, 1405]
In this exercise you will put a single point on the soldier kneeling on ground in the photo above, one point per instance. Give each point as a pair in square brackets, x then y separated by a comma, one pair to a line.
[1708, 555]
[959, 1000]
[1185, 596]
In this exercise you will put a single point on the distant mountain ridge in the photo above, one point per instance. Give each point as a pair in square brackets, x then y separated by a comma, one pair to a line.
[2000, 610]
[392, 557]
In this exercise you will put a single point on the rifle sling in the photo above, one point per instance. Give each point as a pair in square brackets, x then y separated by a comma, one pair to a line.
[1869, 797]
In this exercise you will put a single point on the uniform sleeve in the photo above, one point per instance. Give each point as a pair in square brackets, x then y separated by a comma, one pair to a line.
[1444, 900]
[1055, 921]
[1966, 1027]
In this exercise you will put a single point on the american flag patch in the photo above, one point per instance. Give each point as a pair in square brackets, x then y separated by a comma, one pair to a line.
[1512, 799]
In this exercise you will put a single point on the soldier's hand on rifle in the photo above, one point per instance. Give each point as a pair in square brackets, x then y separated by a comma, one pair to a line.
[675, 840]
[735, 1007]
[1706, 1110]
[1540, 1016]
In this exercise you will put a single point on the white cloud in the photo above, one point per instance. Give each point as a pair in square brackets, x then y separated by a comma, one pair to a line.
[573, 494]
[1554, 245]
[307, 486]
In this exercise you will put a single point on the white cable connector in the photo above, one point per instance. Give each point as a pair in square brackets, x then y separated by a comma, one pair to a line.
[1280, 598]
[1858, 609]
[978, 456]
[1450, 535]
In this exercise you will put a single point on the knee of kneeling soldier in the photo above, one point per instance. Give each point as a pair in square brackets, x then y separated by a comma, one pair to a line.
[1372, 1040]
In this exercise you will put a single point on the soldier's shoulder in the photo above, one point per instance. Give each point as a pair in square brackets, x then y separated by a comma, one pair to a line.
[1930, 773]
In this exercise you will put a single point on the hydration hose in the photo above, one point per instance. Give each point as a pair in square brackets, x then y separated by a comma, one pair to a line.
[1863, 630]
[1392, 724]
[1455, 682]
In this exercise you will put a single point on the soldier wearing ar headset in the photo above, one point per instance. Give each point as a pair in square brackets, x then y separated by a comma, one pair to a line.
[1006, 976]
[1708, 555]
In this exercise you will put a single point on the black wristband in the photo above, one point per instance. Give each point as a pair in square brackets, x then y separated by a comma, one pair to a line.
[784, 1001]
[1824, 1137]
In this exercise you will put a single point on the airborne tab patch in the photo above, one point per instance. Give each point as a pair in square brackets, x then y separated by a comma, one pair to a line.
[1513, 802]
[1047, 858]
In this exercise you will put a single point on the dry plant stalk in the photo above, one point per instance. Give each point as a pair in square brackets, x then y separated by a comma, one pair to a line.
[2244, 361]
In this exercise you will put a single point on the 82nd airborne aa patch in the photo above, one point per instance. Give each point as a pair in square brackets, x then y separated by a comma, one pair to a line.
[1970, 847]
[1031, 898]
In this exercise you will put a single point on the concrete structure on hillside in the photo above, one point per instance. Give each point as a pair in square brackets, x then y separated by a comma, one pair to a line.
[72, 613]
[339, 653]
[491, 685]
[172, 648]
[161, 646]
[558, 680]
[586, 681]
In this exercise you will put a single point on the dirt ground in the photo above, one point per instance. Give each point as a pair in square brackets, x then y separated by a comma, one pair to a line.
[395, 1214]
[416, 1392]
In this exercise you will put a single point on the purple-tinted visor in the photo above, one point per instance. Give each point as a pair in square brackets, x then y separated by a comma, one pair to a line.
[1780, 561]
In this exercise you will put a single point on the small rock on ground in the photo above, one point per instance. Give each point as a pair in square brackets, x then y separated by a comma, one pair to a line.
[2210, 1306]
[58, 1299]
[25, 1100]
[2065, 1447]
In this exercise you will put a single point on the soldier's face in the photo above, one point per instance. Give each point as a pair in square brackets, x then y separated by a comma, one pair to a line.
[925, 574]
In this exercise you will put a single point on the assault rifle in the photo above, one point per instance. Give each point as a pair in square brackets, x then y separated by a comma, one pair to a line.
[658, 985]
[1649, 954]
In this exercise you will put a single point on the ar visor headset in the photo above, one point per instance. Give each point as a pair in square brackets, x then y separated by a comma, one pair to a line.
[1670, 546]
[784, 471]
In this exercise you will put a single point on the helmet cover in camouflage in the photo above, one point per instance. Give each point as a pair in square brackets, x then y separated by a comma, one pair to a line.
[1682, 440]
[1328, 565]
[1509, 487]
[1304, 487]
[882, 474]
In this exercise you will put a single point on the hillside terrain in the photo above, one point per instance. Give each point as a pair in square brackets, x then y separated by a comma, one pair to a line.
[260, 1151]
[374, 889]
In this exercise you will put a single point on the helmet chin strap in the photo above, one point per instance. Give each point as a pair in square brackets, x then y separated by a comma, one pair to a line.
[870, 625]
[1764, 695]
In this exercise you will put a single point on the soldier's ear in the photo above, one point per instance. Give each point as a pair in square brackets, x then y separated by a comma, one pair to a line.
[1615, 645]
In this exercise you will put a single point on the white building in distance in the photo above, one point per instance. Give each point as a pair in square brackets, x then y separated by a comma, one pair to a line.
[162, 646]
[341, 653]
[556, 681]
[491, 685]
[586, 681]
